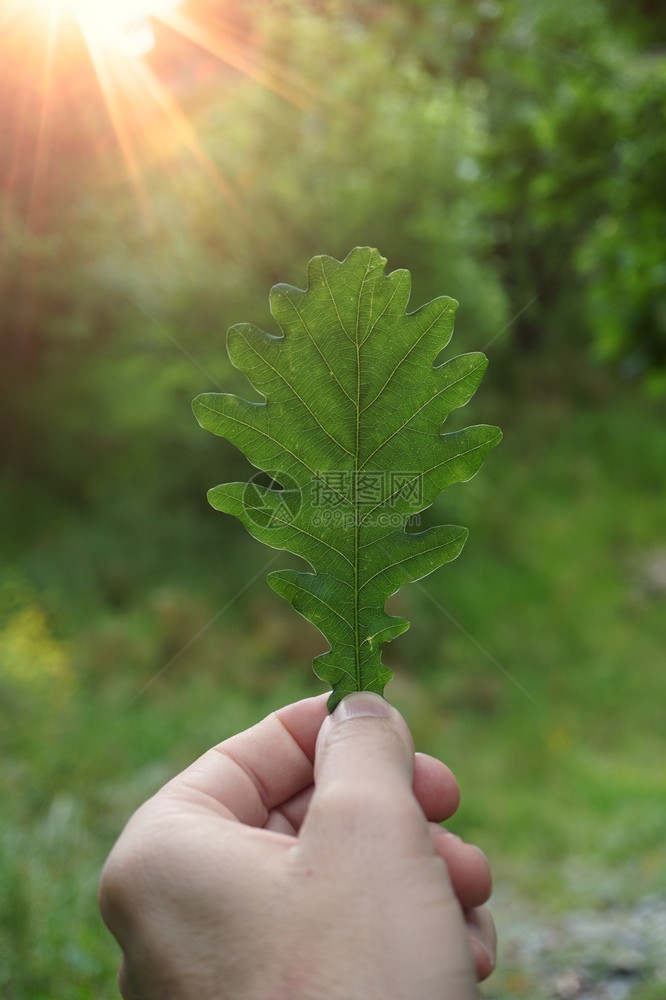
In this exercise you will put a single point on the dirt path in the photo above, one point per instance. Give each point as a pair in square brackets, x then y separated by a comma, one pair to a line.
[615, 953]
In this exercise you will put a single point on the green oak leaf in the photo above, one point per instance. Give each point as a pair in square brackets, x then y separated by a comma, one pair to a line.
[351, 435]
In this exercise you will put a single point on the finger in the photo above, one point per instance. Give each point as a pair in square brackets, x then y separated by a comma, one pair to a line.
[483, 939]
[434, 786]
[364, 767]
[289, 817]
[248, 775]
[468, 867]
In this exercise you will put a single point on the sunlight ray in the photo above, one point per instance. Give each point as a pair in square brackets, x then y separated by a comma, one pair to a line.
[275, 76]
[146, 118]
[102, 64]
[40, 162]
[148, 85]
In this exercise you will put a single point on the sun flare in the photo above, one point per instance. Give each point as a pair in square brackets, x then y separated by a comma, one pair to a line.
[148, 121]
[121, 24]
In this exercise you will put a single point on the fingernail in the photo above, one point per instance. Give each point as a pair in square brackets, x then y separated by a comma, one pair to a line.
[363, 703]
[477, 941]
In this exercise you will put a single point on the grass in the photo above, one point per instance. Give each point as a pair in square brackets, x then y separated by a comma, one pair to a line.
[546, 698]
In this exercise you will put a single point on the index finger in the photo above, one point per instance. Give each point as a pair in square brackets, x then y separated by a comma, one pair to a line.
[248, 775]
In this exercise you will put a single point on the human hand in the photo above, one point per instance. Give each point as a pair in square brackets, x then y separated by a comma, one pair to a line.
[258, 875]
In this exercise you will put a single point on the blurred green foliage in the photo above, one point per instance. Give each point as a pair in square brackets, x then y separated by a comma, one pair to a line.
[510, 154]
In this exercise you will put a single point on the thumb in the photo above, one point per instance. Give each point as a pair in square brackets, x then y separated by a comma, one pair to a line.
[364, 763]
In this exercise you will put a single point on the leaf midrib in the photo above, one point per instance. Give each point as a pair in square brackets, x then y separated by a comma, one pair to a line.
[356, 339]
[357, 452]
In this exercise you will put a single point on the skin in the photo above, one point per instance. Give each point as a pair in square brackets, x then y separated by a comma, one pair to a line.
[302, 860]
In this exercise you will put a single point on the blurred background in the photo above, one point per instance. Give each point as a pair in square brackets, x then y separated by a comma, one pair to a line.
[161, 166]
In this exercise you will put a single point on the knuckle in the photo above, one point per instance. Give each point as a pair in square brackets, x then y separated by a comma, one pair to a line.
[355, 803]
[119, 885]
